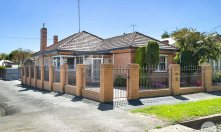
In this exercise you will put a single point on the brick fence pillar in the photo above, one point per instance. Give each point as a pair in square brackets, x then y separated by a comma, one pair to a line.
[29, 79]
[62, 78]
[22, 81]
[51, 76]
[66, 74]
[80, 78]
[35, 76]
[207, 77]
[42, 76]
[174, 77]
[133, 82]
[25, 74]
[106, 83]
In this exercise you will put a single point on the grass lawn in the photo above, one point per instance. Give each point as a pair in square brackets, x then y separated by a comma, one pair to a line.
[184, 111]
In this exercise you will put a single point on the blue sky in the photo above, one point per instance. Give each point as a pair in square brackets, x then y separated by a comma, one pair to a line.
[105, 18]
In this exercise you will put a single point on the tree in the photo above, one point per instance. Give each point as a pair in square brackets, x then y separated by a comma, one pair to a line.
[152, 54]
[198, 47]
[20, 55]
[140, 56]
[4, 56]
[165, 35]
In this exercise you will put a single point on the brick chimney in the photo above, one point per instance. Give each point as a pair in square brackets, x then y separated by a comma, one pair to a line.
[55, 39]
[43, 38]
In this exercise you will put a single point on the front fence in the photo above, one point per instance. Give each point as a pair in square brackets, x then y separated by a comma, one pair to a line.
[92, 78]
[71, 75]
[120, 77]
[46, 73]
[154, 78]
[216, 77]
[191, 76]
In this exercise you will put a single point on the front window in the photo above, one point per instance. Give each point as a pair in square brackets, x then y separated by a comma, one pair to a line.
[162, 63]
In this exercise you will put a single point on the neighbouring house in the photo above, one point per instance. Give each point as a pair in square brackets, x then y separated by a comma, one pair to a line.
[216, 64]
[89, 49]
[6, 63]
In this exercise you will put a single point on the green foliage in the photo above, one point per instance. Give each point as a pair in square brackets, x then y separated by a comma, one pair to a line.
[187, 58]
[120, 81]
[2, 67]
[140, 56]
[20, 55]
[183, 111]
[202, 46]
[152, 54]
[4, 56]
[165, 35]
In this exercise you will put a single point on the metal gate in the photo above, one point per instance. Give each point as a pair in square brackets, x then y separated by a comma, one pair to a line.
[120, 82]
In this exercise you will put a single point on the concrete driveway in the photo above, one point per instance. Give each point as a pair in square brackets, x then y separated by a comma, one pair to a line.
[35, 110]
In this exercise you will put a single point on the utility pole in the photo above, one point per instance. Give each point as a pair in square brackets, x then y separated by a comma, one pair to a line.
[133, 26]
[79, 17]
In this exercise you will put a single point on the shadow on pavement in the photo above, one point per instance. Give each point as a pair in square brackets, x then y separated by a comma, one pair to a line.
[180, 97]
[105, 106]
[135, 102]
[76, 99]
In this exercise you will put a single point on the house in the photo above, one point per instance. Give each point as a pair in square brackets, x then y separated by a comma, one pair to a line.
[6, 63]
[89, 49]
[216, 64]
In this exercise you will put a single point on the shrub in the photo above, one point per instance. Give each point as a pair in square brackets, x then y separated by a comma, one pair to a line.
[120, 82]
[2, 67]
[140, 56]
[152, 54]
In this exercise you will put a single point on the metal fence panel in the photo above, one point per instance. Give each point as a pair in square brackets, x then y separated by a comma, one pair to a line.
[120, 76]
[56, 75]
[154, 78]
[216, 77]
[191, 76]
[92, 78]
[38, 72]
[46, 73]
[32, 72]
[71, 75]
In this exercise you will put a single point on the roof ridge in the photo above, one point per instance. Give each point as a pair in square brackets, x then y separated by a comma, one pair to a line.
[75, 36]
[119, 36]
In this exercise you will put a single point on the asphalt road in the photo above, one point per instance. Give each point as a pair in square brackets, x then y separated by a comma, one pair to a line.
[34, 110]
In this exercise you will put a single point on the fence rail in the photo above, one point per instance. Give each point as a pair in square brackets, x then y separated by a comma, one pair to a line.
[191, 76]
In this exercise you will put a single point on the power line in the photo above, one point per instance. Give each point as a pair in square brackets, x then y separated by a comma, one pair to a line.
[15, 37]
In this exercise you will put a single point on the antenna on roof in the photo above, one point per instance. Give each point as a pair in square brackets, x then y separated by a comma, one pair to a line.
[79, 17]
[133, 26]
[43, 25]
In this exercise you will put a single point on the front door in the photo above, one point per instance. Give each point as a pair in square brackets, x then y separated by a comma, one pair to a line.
[96, 70]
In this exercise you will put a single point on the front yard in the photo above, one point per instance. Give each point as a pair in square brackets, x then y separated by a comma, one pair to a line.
[184, 111]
